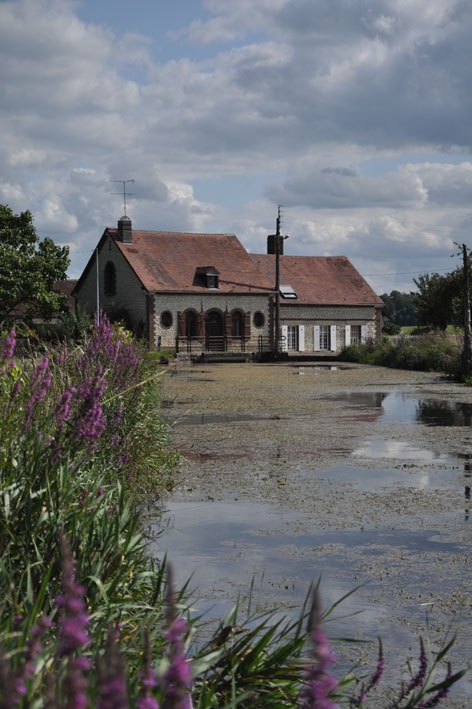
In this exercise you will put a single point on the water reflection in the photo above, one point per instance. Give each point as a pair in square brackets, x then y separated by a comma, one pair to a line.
[223, 546]
[381, 448]
[403, 407]
[374, 479]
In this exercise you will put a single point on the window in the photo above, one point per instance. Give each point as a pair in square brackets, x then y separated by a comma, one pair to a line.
[355, 334]
[259, 319]
[325, 337]
[287, 292]
[237, 324]
[292, 338]
[191, 324]
[109, 279]
[166, 319]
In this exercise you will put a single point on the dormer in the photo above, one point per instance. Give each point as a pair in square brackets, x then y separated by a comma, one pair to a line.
[207, 277]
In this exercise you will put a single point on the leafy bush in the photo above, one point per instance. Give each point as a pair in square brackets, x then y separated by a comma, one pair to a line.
[437, 352]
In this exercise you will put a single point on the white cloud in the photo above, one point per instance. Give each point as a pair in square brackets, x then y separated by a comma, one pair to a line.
[297, 94]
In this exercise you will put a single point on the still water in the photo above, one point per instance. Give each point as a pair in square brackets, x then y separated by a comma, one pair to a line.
[226, 548]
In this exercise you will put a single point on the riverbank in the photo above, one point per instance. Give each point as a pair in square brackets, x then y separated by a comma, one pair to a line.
[346, 456]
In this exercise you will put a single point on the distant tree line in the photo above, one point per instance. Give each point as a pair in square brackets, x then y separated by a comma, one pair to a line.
[438, 302]
[400, 308]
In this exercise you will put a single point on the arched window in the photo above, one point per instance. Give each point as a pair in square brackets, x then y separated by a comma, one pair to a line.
[109, 279]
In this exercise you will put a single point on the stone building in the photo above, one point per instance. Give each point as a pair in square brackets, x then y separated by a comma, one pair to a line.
[201, 293]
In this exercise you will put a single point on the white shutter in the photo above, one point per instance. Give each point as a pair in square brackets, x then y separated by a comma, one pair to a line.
[363, 333]
[301, 338]
[284, 330]
[333, 338]
[316, 338]
[348, 335]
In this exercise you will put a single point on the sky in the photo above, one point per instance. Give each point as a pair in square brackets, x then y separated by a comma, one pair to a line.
[352, 116]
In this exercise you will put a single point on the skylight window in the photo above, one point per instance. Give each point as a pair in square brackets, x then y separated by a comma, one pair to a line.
[287, 292]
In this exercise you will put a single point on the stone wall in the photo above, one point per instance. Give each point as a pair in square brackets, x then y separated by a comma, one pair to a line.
[175, 303]
[129, 296]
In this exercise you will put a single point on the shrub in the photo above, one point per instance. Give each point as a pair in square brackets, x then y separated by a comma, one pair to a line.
[438, 352]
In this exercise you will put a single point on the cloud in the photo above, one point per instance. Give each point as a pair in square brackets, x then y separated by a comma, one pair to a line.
[298, 94]
[335, 187]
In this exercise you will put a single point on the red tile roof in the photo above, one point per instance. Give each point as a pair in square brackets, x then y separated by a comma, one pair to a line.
[321, 280]
[167, 261]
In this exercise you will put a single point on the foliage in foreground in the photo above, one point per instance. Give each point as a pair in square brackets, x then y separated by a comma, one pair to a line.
[86, 618]
[433, 352]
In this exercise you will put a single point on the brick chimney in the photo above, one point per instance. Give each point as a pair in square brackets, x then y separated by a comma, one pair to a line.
[125, 231]
[272, 244]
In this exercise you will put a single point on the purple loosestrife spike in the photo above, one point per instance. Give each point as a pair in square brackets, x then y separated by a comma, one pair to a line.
[112, 692]
[440, 695]
[33, 648]
[374, 680]
[63, 409]
[75, 683]
[177, 680]
[89, 421]
[318, 682]
[40, 384]
[419, 678]
[9, 347]
[148, 678]
[73, 636]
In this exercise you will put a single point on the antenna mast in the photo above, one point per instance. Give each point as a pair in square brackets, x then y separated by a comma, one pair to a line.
[125, 193]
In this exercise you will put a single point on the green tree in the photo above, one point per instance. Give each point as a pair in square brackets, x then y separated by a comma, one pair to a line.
[28, 270]
[440, 299]
[400, 307]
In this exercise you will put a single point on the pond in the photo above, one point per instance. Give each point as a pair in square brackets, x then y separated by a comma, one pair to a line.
[330, 476]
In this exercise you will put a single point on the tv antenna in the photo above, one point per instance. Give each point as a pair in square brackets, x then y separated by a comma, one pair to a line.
[125, 193]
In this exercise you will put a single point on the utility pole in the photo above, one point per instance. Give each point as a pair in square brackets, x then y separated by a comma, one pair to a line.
[466, 352]
[275, 246]
[277, 283]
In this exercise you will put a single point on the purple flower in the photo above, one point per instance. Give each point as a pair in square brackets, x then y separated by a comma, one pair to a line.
[419, 678]
[9, 346]
[148, 678]
[441, 694]
[63, 409]
[177, 680]
[40, 384]
[89, 421]
[112, 691]
[72, 632]
[318, 682]
[374, 680]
